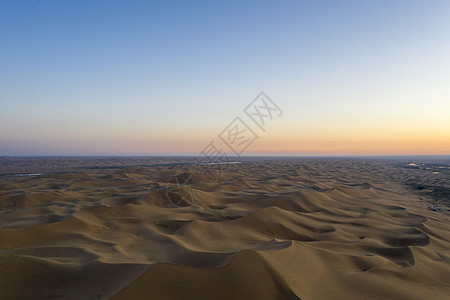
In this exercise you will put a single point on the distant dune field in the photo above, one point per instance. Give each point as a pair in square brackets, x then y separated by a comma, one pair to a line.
[273, 229]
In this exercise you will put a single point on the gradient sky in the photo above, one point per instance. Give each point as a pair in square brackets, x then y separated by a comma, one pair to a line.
[166, 77]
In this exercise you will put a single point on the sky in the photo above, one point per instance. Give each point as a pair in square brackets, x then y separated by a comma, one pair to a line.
[169, 77]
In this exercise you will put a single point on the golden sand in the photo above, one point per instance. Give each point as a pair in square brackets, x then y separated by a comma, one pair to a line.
[314, 229]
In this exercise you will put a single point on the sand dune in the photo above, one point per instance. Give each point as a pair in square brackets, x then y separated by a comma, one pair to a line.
[306, 229]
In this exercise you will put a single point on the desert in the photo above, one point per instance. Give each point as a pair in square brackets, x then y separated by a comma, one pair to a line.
[305, 228]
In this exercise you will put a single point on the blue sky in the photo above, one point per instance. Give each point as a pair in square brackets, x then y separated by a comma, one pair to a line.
[157, 77]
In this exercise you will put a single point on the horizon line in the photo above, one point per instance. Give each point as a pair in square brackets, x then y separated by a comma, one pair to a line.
[190, 155]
